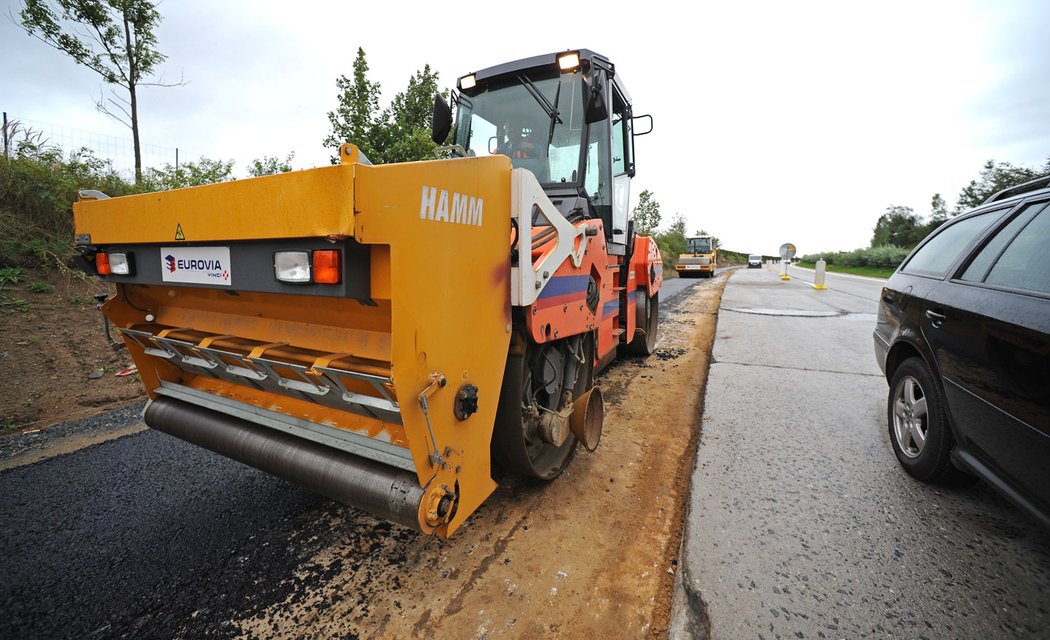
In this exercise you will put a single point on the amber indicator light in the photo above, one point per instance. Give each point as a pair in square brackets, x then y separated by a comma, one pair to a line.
[326, 267]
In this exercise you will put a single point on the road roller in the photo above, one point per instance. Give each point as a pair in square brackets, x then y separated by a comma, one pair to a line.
[394, 335]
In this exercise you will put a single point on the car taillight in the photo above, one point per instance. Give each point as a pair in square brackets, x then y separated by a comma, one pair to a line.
[102, 264]
[326, 267]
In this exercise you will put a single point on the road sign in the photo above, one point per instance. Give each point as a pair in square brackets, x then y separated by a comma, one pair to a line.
[787, 251]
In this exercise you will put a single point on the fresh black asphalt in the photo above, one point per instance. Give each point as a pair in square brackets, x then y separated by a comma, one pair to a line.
[147, 536]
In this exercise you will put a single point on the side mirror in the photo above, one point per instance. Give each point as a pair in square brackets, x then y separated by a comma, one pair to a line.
[597, 106]
[442, 121]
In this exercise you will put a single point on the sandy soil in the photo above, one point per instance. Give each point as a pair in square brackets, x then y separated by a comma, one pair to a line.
[50, 343]
[592, 554]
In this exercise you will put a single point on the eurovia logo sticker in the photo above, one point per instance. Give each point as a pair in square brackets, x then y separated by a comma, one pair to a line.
[196, 265]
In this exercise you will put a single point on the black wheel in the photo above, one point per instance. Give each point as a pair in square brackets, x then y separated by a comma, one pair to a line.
[540, 378]
[648, 320]
[919, 430]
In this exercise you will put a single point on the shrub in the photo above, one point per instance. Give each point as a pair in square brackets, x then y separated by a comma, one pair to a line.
[37, 191]
[888, 256]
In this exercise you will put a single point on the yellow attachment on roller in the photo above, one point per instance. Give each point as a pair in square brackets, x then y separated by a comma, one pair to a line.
[390, 373]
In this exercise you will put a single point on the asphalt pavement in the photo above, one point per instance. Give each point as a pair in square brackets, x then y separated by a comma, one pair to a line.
[800, 523]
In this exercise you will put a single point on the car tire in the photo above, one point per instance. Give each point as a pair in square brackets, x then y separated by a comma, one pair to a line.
[918, 426]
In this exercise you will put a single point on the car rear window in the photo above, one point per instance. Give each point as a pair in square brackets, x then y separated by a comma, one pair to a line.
[978, 268]
[939, 253]
[1026, 262]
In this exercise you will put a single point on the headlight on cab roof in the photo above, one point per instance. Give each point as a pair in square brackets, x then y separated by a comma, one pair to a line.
[467, 83]
[569, 61]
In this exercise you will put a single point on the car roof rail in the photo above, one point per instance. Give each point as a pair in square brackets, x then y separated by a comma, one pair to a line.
[1025, 187]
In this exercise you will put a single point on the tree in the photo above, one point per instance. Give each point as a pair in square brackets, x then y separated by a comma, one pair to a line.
[355, 118]
[899, 226]
[647, 213]
[189, 174]
[938, 209]
[114, 38]
[400, 133]
[407, 122]
[269, 166]
[994, 178]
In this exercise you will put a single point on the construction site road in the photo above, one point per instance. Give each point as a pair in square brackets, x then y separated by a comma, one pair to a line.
[128, 532]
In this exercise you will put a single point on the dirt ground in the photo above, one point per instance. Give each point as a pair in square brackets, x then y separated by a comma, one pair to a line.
[57, 364]
[592, 554]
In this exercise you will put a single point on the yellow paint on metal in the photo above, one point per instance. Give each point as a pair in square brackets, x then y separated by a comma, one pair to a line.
[440, 283]
[299, 204]
[449, 286]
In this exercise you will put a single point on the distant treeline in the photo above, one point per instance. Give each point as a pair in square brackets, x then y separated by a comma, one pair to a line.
[899, 229]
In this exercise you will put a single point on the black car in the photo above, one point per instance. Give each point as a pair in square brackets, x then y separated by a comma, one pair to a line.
[963, 336]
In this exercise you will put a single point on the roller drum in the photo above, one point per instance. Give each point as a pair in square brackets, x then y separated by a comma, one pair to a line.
[383, 491]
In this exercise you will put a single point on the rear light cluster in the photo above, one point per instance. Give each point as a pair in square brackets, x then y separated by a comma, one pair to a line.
[118, 264]
[297, 267]
[304, 267]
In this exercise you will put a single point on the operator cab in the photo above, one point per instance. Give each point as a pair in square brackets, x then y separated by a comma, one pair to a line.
[565, 117]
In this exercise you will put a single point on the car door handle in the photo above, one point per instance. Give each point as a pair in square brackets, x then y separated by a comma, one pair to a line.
[935, 316]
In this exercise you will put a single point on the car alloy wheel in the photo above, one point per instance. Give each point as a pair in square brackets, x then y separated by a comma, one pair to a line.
[910, 416]
[918, 424]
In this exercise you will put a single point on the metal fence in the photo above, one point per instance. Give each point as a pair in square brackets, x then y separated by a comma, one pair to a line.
[119, 151]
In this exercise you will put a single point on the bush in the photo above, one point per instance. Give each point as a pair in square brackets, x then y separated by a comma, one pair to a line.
[38, 188]
[37, 191]
[888, 256]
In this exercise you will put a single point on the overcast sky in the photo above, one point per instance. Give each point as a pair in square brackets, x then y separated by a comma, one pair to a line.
[774, 121]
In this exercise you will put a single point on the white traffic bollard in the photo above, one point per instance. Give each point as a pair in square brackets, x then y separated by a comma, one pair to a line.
[818, 281]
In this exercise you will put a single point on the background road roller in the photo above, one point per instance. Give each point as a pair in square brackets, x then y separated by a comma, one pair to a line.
[387, 335]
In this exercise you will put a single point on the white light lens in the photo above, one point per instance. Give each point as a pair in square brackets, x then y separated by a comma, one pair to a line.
[119, 265]
[568, 61]
[467, 82]
[292, 266]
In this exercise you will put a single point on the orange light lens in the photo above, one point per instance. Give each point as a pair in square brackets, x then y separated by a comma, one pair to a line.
[102, 264]
[326, 267]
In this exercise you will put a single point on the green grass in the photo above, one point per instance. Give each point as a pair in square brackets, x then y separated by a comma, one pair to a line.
[11, 305]
[872, 272]
[40, 287]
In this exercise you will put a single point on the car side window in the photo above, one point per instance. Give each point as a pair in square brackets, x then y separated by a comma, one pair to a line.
[1025, 264]
[939, 253]
[978, 268]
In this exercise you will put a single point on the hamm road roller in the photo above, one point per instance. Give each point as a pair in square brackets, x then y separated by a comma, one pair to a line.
[388, 335]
